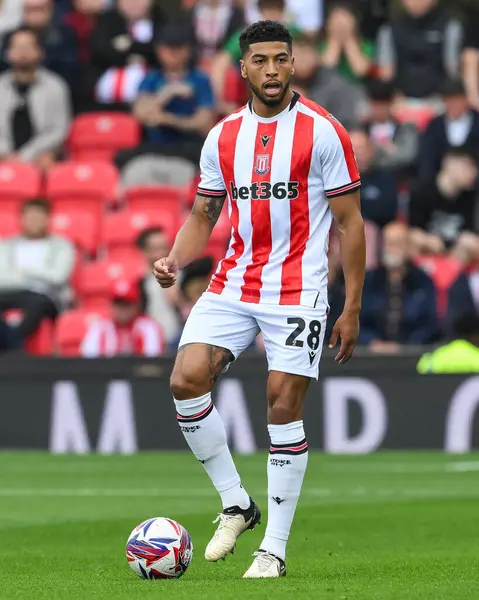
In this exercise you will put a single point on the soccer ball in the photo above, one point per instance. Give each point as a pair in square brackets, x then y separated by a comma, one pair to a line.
[159, 548]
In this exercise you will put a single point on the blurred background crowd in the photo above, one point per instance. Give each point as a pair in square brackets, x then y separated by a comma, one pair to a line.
[104, 106]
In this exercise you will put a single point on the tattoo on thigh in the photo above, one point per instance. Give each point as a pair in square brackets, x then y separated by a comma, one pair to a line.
[218, 359]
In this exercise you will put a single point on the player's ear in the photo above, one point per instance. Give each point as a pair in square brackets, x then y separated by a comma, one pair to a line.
[292, 68]
[243, 69]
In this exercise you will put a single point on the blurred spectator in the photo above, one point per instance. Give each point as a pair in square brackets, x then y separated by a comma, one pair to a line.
[463, 298]
[395, 144]
[128, 332]
[122, 48]
[458, 126]
[399, 301]
[175, 101]
[460, 355]
[343, 49]
[8, 339]
[194, 281]
[470, 59]
[34, 104]
[419, 48]
[82, 20]
[58, 41]
[324, 85]
[269, 10]
[373, 14]
[442, 209]
[307, 15]
[214, 22]
[11, 14]
[35, 269]
[157, 302]
[379, 201]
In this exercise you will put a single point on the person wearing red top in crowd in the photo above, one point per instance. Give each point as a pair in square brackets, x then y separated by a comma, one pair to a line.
[127, 332]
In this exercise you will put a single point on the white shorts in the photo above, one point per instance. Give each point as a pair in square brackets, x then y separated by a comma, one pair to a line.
[293, 335]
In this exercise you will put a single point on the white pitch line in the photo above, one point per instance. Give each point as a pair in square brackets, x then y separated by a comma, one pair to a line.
[463, 467]
[364, 493]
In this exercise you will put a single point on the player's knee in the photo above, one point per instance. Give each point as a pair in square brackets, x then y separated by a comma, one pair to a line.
[189, 381]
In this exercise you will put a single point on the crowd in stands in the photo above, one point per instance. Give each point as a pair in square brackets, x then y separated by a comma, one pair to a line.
[104, 106]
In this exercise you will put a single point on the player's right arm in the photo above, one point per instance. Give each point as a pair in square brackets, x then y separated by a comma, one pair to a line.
[193, 236]
[191, 239]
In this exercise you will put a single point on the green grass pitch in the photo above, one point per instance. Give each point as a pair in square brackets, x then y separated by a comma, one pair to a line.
[379, 527]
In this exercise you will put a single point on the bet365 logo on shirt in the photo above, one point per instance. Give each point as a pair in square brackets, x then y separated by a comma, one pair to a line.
[264, 190]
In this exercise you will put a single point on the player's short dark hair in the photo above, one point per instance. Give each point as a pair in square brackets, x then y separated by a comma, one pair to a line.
[265, 31]
[279, 4]
[40, 203]
[24, 29]
[142, 239]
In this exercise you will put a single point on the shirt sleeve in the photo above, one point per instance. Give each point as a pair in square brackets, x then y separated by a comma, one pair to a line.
[211, 177]
[338, 162]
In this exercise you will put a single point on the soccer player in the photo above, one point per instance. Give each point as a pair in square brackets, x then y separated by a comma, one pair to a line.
[287, 167]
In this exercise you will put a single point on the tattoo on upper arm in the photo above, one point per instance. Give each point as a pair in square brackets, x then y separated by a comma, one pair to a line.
[211, 206]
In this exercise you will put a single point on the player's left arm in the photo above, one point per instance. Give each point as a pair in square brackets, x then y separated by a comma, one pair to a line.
[350, 226]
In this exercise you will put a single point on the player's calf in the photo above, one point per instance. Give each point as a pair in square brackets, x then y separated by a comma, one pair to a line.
[287, 461]
[197, 368]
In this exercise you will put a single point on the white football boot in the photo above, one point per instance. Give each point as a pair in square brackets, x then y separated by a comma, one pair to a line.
[265, 566]
[233, 522]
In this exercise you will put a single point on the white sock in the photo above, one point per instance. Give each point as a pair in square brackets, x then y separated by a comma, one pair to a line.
[287, 461]
[205, 433]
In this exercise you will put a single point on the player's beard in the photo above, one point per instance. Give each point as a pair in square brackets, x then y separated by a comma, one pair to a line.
[266, 99]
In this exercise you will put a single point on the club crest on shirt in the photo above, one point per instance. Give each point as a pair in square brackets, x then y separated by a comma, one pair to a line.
[261, 166]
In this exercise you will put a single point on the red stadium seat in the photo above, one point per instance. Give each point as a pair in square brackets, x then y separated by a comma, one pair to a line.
[147, 197]
[79, 226]
[71, 328]
[40, 343]
[99, 136]
[122, 228]
[125, 254]
[420, 115]
[86, 186]
[18, 182]
[94, 280]
[9, 222]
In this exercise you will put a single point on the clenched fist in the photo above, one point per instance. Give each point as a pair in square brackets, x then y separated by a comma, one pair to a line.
[165, 270]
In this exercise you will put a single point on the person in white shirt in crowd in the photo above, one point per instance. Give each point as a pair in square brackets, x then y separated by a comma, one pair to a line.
[35, 106]
[157, 302]
[127, 332]
[35, 269]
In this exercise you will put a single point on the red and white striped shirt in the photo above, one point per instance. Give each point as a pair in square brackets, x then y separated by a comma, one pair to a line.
[104, 338]
[278, 174]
